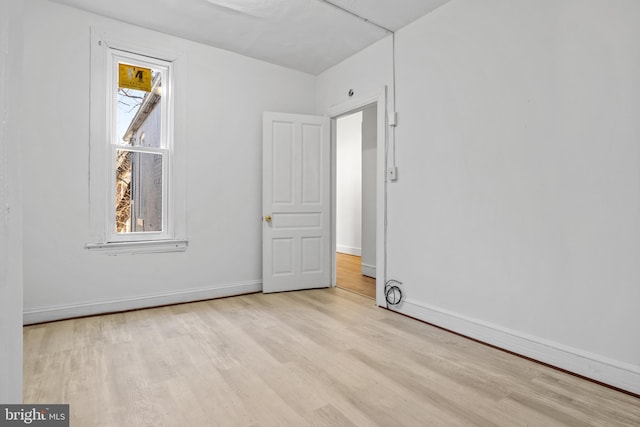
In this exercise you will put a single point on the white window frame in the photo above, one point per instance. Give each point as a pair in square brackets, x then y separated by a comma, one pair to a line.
[115, 56]
[105, 53]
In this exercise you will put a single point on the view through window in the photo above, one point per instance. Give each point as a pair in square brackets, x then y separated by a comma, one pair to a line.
[139, 147]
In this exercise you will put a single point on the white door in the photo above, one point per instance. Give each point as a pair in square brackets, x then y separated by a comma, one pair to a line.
[295, 201]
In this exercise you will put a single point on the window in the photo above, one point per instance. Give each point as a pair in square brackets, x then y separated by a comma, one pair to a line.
[140, 147]
[136, 164]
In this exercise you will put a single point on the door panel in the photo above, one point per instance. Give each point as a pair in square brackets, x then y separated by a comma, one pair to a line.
[296, 197]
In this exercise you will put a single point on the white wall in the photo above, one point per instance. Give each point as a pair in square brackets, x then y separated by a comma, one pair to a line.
[10, 202]
[226, 95]
[349, 184]
[516, 216]
[366, 72]
[369, 175]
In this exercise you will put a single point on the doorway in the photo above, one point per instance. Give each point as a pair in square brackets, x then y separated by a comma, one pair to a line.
[302, 177]
[355, 201]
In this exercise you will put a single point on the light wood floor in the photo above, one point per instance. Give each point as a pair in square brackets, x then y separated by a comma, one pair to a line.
[349, 276]
[322, 357]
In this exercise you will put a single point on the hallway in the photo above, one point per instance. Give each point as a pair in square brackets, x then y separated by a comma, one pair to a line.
[349, 276]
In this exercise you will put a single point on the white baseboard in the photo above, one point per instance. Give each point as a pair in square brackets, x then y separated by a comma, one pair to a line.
[369, 270]
[48, 314]
[612, 372]
[349, 250]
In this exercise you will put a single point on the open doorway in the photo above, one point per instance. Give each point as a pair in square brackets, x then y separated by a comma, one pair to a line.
[356, 192]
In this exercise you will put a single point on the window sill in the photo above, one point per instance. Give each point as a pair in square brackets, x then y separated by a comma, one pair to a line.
[133, 248]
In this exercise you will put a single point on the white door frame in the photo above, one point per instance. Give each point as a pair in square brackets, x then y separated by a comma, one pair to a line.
[353, 105]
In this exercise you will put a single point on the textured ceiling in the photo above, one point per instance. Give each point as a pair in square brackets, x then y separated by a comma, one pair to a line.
[307, 35]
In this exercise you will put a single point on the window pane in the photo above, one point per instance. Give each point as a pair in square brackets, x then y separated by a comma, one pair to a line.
[138, 191]
[139, 112]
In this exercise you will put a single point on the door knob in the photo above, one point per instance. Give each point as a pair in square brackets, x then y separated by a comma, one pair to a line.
[267, 218]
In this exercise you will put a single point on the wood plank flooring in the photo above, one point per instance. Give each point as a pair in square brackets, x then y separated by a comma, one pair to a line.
[349, 276]
[313, 358]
